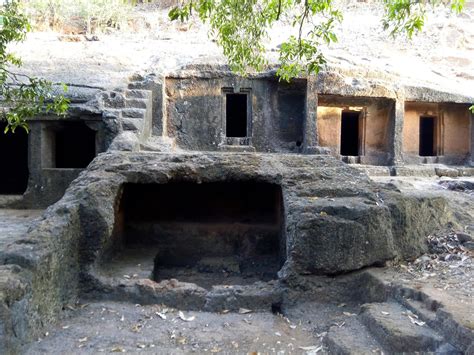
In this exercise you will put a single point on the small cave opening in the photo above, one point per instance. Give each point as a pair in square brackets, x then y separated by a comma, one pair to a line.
[427, 136]
[350, 133]
[236, 115]
[75, 146]
[14, 175]
[209, 234]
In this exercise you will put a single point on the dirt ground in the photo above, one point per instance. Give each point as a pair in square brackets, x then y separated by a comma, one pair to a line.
[111, 327]
[117, 327]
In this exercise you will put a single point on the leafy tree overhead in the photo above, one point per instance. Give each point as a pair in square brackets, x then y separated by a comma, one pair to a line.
[241, 27]
[22, 96]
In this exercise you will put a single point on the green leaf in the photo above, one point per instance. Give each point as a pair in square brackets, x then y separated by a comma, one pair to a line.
[24, 97]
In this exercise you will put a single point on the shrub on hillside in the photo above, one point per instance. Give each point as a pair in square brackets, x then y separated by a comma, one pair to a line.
[79, 16]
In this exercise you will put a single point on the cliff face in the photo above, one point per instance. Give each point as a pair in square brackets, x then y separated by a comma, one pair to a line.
[440, 57]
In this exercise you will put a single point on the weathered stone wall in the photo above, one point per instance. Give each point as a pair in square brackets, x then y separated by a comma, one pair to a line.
[452, 131]
[377, 125]
[155, 86]
[337, 219]
[329, 127]
[196, 113]
[457, 126]
[47, 182]
[378, 128]
[411, 127]
[42, 274]
[120, 120]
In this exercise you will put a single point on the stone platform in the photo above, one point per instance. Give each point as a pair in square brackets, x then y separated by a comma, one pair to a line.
[334, 220]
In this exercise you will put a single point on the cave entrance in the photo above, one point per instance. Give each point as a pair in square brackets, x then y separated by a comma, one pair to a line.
[14, 148]
[208, 234]
[236, 115]
[427, 136]
[75, 146]
[352, 133]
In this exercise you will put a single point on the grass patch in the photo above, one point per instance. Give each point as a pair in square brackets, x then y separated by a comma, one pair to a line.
[79, 16]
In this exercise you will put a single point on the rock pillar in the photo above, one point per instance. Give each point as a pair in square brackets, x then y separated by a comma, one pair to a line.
[396, 132]
[310, 144]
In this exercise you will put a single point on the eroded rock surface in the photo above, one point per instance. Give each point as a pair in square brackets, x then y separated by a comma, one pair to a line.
[352, 314]
[335, 220]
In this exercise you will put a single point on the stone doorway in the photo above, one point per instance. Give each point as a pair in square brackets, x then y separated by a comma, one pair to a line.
[352, 133]
[427, 136]
[74, 146]
[236, 115]
[236, 118]
[14, 174]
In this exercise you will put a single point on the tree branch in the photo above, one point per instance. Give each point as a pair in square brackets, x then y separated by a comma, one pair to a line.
[303, 18]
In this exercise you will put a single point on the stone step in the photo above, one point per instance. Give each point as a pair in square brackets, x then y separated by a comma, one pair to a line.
[351, 159]
[455, 329]
[136, 103]
[258, 296]
[432, 170]
[444, 313]
[134, 113]
[466, 171]
[135, 85]
[414, 170]
[373, 170]
[158, 144]
[421, 310]
[426, 312]
[125, 141]
[138, 94]
[132, 124]
[237, 148]
[393, 326]
[351, 338]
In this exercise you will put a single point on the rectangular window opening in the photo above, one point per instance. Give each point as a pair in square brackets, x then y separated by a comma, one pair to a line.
[236, 115]
[427, 136]
[14, 175]
[74, 146]
[350, 133]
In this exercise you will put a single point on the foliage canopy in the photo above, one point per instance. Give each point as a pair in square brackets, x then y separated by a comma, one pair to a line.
[23, 96]
[241, 27]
